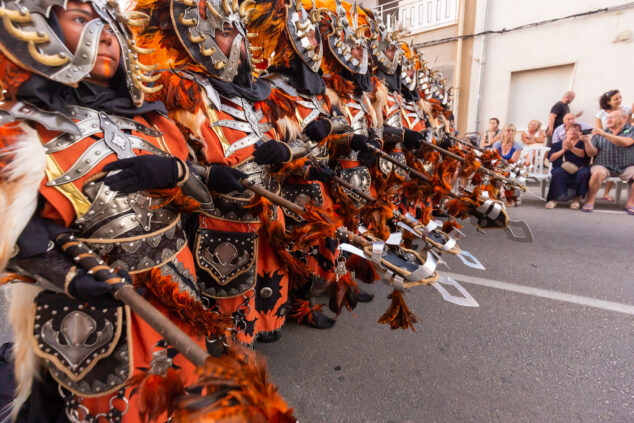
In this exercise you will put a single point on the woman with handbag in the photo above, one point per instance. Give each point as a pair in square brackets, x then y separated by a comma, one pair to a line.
[570, 172]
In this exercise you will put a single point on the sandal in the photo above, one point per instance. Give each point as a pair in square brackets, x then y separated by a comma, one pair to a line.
[608, 199]
[575, 205]
[551, 204]
[588, 208]
[630, 210]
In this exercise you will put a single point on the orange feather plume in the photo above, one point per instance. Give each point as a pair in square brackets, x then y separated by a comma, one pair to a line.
[302, 309]
[398, 314]
[235, 388]
[11, 77]
[182, 306]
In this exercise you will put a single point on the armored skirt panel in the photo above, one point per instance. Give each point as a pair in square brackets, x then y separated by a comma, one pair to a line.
[321, 258]
[236, 264]
[350, 169]
[136, 232]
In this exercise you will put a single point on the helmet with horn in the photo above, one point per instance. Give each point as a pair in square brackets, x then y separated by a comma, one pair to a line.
[196, 22]
[299, 24]
[410, 66]
[346, 35]
[29, 41]
[288, 25]
[386, 37]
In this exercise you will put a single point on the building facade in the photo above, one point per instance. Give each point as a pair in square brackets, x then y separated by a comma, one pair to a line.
[518, 75]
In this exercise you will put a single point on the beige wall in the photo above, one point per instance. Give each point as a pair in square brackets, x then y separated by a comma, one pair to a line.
[587, 43]
[445, 57]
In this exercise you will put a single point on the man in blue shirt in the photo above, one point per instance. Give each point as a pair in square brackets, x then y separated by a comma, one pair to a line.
[613, 152]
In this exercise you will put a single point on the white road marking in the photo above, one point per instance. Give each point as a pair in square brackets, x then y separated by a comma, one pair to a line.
[610, 211]
[545, 293]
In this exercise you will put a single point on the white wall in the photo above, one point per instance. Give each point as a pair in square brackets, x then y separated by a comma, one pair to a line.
[600, 64]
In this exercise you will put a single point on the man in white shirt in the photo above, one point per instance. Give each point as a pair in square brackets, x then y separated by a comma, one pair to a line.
[559, 134]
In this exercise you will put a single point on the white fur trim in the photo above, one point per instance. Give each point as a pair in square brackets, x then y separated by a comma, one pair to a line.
[19, 183]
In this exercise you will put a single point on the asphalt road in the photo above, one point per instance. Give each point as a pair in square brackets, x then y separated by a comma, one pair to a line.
[516, 358]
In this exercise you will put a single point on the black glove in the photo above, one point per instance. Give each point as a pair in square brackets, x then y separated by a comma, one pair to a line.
[142, 173]
[412, 139]
[84, 287]
[224, 179]
[320, 173]
[272, 152]
[318, 129]
[446, 142]
[361, 144]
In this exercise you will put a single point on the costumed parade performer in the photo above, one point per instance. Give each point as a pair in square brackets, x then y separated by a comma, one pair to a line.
[93, 182]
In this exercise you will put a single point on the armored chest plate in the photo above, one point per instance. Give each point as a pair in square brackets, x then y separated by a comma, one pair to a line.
[301, 194]
[85, 348]
[226, 262]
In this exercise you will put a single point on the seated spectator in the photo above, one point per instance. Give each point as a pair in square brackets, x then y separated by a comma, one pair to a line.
[613, 152]
[570, 172]
[492, 134]
[560, 132]
[534, 134]
[609, 102]
[507, 147]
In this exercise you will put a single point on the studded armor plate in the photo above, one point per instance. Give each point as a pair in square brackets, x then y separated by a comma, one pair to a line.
[360, 178]
[226, 262]
[301, 194]
[386, 167]
[85, 348]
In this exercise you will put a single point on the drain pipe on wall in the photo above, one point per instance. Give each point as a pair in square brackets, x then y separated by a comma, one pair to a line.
[458, 72]
[482, 62]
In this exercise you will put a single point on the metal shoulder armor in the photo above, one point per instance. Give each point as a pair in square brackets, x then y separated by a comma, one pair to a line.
[11, 111]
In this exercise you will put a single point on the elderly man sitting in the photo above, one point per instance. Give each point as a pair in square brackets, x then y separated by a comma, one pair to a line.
[560, 132]
[613, 152]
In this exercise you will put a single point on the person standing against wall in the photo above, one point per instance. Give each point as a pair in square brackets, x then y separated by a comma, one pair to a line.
[557, 113]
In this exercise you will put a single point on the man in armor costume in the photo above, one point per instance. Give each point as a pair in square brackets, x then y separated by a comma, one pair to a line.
[75, 107]
[398, 132]
[211, 93]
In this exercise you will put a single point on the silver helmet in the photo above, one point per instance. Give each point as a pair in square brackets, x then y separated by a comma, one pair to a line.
[28, 40]
[409, 65]
[347, 35]
[384, 38]
[196, 22]
[299, 23]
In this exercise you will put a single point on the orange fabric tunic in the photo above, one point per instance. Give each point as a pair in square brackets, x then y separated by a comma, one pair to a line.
[255, 291]
[68, 203]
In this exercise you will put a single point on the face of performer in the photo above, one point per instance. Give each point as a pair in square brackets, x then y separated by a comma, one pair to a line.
[357, 52]
[72, 21]
[224, 40]
[410, 72]
[390, 52]
[312, 38]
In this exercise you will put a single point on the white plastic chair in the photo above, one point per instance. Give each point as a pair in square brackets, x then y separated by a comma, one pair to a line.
[536, 169]
[618, 185]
